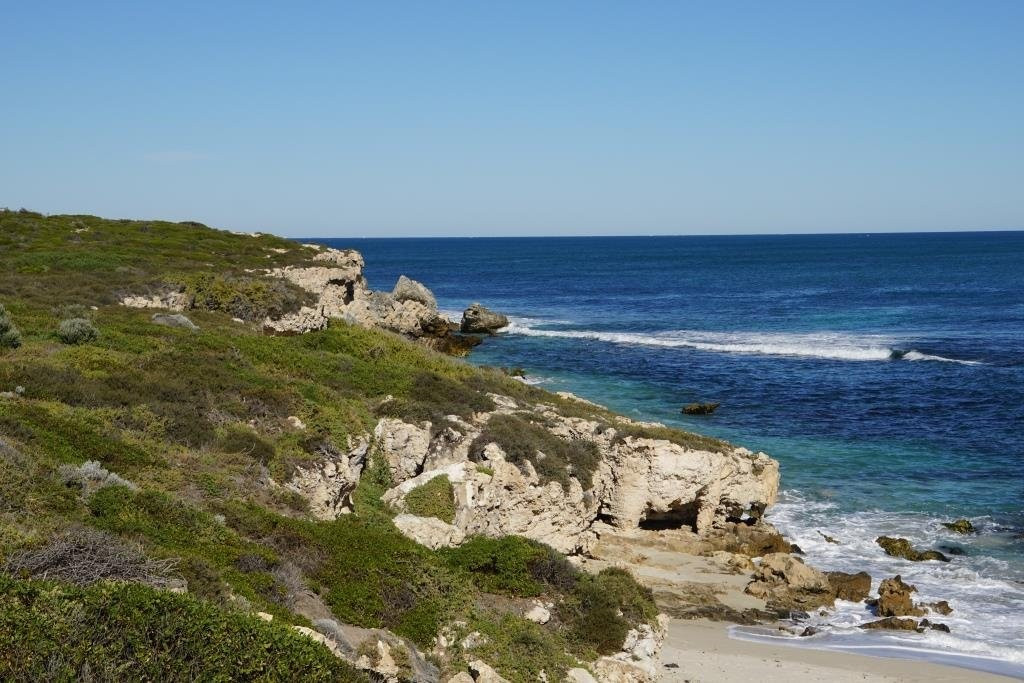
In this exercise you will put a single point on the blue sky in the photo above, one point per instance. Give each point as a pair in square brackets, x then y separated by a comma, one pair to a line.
[485, 118]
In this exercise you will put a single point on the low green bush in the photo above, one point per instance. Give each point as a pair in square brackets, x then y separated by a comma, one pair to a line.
[679, 437]
[113, 632]
[244, 297]
[602, 608]
[432, 396]
[433, 499]
[513, 565]
[77, 331]
[523, 441]
[521, 650]
[10, 337]
[243, 439]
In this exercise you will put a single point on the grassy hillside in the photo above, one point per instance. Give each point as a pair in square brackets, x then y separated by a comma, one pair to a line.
[168, 440]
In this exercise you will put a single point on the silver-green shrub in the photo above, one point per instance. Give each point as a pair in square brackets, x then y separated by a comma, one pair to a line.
[10, 337]
[77, 331]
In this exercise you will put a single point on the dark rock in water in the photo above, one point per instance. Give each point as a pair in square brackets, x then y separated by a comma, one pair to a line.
[935, 626]
[796, 550]
[894, 599]
[514, 372]
[852, 587]
[174, 320]
[900, 547]
[809, 631]
[700, 408]
[941, 607]
[671, 665]
[960, 526]
[479, 319]
[828, 539]
[892, 624]
[952, 549]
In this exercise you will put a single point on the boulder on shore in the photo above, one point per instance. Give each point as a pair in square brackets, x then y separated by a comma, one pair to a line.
[785, 582]
[478, 319]
[892, 624]
[700, 408]
[900, 547]
[852, 587]
[894, 599]
[407, 289]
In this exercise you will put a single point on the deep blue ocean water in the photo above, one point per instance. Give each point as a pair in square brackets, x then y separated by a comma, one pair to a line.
[885, 372]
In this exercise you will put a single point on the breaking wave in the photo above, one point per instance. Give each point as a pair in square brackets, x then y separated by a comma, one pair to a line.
[830, 346]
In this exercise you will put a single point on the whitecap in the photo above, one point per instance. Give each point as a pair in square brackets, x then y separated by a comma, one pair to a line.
[822, 345]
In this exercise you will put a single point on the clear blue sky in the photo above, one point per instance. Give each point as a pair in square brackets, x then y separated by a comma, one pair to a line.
[478, 118]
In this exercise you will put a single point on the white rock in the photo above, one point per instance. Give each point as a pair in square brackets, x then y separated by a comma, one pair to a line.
[404, 446]
[304, 320]
[328, 484]
[539, 614]
[578, 675]
[484, 673]
[429, 531]
[296, 422]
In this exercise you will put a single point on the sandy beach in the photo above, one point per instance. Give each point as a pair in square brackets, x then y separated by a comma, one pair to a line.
[698, 649]
[701, 651]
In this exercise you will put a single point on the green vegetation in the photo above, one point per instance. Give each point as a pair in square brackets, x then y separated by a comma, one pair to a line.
[513, 565]
[680, 438]
[524, 441]
[163, 442]
[77, 331]
[433, 499]
[10, 337]
[111, 632]
[247, 298]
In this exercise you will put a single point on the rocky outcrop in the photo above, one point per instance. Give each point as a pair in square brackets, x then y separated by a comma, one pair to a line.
[342, 293]
[429, 531]
[171, 299]
[327, 483]
[784, 581]
[403, 445]
[960, 526]
[658, 482]
[174, 320]
[637, 482]
[700, 408]
[639, 660]
[407, 289]
[894, 599]
[306, 319]
[901, 547]
[892, 624]
[479, 319]
[852, 587]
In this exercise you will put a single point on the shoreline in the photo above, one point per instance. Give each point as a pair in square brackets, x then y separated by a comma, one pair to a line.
[708, 638]
[704, 650]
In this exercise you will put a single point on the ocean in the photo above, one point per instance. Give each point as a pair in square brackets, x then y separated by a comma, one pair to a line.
[885, 372]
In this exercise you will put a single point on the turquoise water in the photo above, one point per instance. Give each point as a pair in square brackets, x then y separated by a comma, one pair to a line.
[884, 372]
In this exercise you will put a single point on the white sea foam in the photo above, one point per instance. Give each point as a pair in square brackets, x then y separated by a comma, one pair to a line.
[986, 593]
[824, 345]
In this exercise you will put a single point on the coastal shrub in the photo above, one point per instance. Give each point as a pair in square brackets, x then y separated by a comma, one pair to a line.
[432, 396]
[84, 556]
[602, 608]
[513, 565]
[525, 441]
[10, 337]
[77, 331]
[368, 573]
[246, 298]
[90, 476]
[521, 650]
[433, 499]
[679, 437]
[242, 439]
[109, 632]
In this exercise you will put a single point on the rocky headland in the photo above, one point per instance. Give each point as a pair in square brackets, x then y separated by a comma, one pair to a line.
[299, 454]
